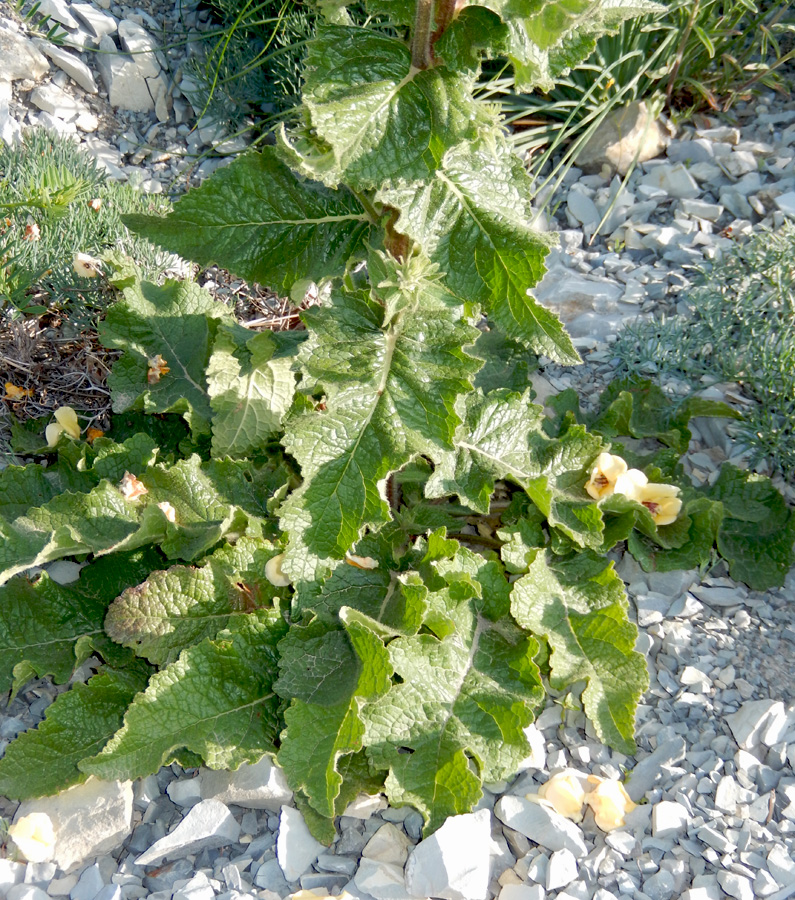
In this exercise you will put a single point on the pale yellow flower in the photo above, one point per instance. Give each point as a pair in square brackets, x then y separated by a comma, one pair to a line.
[661, 500]
[131, 487]
[609, 801]
[629, 483]
[273, 572]
[65, 421]
[86, 266]
[604, 473]
[564, 792]
[34, 836]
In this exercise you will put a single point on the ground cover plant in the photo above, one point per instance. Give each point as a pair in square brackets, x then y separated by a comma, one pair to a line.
[360, 547]
[742, 329]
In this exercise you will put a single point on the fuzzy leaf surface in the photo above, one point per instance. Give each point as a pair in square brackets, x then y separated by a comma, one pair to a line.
[381, 118]
[757, 530]
[216, 700]
[250, 388]
[580, 607]
[48, 628]
[260, 221]
[549, 37]
[462, 699]
[502, 437]
[472, 220]
[390, 394]
[319, 733]
[77, 724]
[181, 606]
[176, 321]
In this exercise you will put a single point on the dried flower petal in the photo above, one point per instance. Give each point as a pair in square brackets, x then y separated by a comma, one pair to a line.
[66, 417]
[32, 232]
[273, 572]
[157, 368]
[168, 510]
[95, 204]
[131, 487]
[565, 793]
[86, 266]
[17, 393]
[35, 837]
[93, 433]
[604, 473]
[609, 801]
[361, 562]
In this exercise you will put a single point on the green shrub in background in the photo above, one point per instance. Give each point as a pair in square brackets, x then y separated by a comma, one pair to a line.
[48, 212]
[741, 329]
[276, 525]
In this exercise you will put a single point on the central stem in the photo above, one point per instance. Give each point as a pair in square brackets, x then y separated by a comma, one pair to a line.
[421, 53]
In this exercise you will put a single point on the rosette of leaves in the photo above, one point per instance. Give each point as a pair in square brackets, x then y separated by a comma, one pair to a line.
[399, 659]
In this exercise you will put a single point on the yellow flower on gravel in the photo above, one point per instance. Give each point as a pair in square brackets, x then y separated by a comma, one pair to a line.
[606, 470]
[34, 836]
[273, 572]
[86, 266]
[609, 801]
[65, 421]
[661, 500]
[564, 792]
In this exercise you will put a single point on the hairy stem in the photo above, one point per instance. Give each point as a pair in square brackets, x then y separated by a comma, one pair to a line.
[445, 13]
[421, 52]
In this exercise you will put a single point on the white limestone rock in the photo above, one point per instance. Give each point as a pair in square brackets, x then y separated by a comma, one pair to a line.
[786, 203]
[365, 805]
[453, 863]
[626, 135]
[562, 869]
[208, 825]
[141, 46]
[389, 844]
[11, 873]
[89, 819]
[70, 63]
[735, 885]
[59, 11]
[99, 23]
[258, 786]
[20, 59]
[540, 824]
[54, 100]
[675, 180]
[384, 881]
[296, 849]
[125, 83]
[752, 720]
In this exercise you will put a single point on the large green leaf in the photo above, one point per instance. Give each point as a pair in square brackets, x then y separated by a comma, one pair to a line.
[176, 321]
[376, 116]
[502, 437]
[181, 606]
[48, 629]
[757, 531]
[390, 392]
[98, 522]
[260, 221]
[580, 607]
[250, 387]
[216, 700]
[78, 724]
[459, 708]
[549, 37]
[473, 219]
[330, 674]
